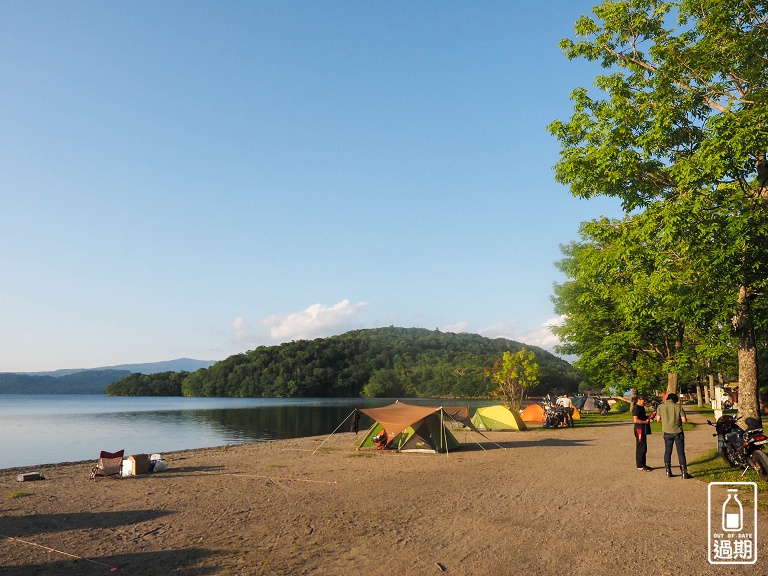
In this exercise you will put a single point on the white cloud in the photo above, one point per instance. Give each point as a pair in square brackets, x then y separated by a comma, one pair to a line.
[316, 321]
[242, 334]
[457, 328]
[540, 336]
[239, 328]
[500, 330]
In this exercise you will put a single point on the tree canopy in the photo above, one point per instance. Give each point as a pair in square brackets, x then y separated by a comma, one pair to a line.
[157, 384]
[677, 124]
[511, 375]
[381, 362]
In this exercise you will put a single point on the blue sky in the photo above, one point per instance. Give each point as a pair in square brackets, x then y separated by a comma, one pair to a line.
[195, 179]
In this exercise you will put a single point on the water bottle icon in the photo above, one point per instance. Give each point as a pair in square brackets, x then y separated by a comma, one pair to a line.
[733, 512]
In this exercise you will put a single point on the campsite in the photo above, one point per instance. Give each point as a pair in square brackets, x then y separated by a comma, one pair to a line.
[520, 501]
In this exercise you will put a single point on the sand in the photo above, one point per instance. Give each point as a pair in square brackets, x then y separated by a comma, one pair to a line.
[565, 501]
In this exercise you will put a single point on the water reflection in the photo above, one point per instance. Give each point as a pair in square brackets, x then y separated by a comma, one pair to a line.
[279, 422]
[59, 431]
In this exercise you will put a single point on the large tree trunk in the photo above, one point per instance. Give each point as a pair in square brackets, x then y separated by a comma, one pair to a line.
[699, 395]
[672, 380]
[749, 392]
[709, 391]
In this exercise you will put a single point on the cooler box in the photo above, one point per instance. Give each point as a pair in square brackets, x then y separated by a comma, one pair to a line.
[139, 464]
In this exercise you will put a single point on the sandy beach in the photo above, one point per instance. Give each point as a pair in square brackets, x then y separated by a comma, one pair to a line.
[566, 501]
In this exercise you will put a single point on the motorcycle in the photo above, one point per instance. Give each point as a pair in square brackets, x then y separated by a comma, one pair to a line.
[554, 415]
[741, 448]
[602, 405]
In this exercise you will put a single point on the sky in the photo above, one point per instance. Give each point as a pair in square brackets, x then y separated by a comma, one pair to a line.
[196, 179]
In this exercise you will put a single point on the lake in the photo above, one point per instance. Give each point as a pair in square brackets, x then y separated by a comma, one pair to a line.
[50, 428]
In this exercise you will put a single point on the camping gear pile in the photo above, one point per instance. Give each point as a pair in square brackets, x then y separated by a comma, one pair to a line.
[115, 464]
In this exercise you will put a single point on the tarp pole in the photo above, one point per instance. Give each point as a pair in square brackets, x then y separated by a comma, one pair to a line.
[475, 440]
[334, 432]
[443, 431]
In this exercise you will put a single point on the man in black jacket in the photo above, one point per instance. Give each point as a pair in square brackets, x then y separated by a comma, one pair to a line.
[642, 428]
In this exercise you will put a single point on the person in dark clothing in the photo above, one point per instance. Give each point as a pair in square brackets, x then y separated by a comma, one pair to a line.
[641, 425]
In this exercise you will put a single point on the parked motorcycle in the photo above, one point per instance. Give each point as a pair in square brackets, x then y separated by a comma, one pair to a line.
[740, 448]
[554, 415]
[602, 405]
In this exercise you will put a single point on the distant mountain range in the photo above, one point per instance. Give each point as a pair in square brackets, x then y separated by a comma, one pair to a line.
[178, 365]
[88, 380]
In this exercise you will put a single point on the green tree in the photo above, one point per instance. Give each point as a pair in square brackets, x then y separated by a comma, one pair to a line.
[383, 384]
[512, 374]
[635, 308]
[683, 121]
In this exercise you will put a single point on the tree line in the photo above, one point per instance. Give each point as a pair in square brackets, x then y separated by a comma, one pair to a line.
[382, 362]
[676, 128]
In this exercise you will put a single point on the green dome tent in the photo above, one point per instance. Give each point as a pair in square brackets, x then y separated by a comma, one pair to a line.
[497, 418]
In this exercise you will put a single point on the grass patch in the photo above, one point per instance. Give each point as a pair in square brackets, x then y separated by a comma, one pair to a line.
[593, 418]
[277, 466]
[18, 494]
[712, 468]
[589, 418]
[361, 454]
[656, 427]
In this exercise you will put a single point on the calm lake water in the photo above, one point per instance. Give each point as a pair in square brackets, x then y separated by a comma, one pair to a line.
[49, 428]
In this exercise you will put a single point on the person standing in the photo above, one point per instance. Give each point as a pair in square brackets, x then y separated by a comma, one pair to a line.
[672, 417]
[642, 426]
[567, 405]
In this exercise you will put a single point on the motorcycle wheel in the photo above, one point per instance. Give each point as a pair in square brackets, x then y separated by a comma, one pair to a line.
[760, 460]
[725, 453]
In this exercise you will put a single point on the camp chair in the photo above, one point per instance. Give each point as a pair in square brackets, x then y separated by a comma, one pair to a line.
[110, 464]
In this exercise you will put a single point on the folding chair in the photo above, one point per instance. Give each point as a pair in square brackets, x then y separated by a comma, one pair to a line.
[110, 464]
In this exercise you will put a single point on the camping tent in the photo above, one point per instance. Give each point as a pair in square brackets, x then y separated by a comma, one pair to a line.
[588, 403]
[458, 417]
[410, 428]
[584, 402]
[497, 418]
[576, 414]
[533, 413]
[619, 406]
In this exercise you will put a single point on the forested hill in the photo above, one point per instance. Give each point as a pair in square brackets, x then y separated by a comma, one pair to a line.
[86, 382]
[382, 362]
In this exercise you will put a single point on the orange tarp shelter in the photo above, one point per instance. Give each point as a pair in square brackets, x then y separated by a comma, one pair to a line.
[410, 428]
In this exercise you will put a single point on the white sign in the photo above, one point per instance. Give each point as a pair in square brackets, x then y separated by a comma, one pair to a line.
[732, 508]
